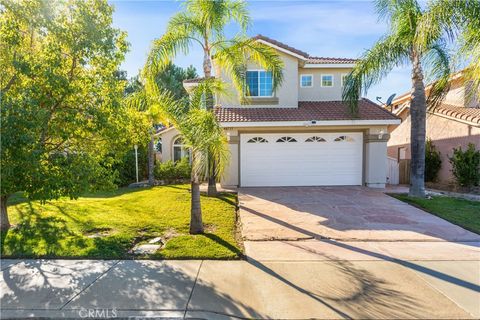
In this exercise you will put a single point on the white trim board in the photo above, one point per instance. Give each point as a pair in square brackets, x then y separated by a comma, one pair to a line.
[322, 123]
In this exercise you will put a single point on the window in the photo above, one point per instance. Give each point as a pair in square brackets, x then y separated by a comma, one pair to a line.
[343, 138]
[344, 79]
[327, 80]
[315, 139]
[260, 83]
[179, 150]
[306, 81]
[286, 139]
[257, 140]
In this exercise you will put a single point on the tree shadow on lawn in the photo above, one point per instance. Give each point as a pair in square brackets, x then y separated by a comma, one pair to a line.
[35, 230]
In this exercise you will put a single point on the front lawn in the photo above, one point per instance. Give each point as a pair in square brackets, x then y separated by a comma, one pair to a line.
[107, 225]
[464, 213]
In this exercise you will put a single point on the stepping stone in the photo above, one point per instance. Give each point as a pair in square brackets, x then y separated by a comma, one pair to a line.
[156, 240]
[145, 249]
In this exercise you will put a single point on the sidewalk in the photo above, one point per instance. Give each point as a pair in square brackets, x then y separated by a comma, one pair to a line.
[312, 284]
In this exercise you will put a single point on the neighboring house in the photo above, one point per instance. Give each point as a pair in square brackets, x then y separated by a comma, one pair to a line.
[454, 123]
[302, 134]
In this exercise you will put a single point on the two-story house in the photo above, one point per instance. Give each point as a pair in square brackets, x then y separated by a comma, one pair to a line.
[302, 134]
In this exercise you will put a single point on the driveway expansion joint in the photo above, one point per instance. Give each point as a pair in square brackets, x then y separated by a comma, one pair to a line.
[89, 285]
[193, 288]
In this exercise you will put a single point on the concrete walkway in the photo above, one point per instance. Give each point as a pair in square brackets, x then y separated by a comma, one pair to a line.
[324, 280]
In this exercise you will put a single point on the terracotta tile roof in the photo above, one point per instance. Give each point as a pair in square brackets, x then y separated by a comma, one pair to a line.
[281, 45]
[462, 113]
[309, 58]
[330, 60]
[306, 111]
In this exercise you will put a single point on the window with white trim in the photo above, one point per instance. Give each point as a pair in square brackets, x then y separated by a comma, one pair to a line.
[286, 139]
[259, 83]
[306, 80]
[327, 80]
[179, 150]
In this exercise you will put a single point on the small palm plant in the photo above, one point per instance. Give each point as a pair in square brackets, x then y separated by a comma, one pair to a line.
[201, 133]
[202, 23]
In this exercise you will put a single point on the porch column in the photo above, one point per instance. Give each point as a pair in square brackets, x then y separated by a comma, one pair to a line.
[376, 157]
[230, 177]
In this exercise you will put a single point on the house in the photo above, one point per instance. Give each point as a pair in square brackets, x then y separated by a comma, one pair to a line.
[454, 123]
[301, 134]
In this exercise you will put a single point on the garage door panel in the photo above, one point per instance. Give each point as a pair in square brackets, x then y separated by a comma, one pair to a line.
[301, 163]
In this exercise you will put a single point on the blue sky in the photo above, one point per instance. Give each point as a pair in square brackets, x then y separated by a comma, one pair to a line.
[321, 28]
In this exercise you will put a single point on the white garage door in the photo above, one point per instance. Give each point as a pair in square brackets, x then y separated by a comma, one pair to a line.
[301, 159]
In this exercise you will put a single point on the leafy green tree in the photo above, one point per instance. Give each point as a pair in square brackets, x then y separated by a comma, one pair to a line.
[61, 113]
[202, 134]
[203, 23]
[169, 78]
[402, 45]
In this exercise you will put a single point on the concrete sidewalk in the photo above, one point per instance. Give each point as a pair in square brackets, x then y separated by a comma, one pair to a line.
[344, 285]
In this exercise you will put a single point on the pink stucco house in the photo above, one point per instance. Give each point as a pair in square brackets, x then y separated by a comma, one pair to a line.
[455, 123]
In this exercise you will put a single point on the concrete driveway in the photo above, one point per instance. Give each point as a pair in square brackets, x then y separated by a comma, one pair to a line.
[338, 213]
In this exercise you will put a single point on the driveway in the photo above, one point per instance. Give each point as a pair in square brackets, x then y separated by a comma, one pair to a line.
[339, 213]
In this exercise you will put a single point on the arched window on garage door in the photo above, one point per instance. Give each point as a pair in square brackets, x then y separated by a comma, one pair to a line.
[315, 139]
[257, 140]
[286, 139]
[344, 138]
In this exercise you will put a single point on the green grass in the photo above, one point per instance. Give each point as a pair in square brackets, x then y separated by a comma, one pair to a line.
[464, 213]
[107, 225]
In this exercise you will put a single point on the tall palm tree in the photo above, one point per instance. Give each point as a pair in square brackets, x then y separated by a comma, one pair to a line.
[201, 133]
[202, 23]
[402, 45]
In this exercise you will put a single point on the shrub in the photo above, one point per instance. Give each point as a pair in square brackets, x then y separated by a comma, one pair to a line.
[466, 166]
[125, 166]
[433, 162]
[170, 171]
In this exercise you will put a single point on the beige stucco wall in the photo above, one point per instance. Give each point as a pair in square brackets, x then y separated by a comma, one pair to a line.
[287, 93]
[317, 92]
[446, 134]
[168, 137]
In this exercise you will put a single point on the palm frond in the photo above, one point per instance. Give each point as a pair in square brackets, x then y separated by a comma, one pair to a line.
[233, 59]
[437, 62]
[372, 67]
[207, 89]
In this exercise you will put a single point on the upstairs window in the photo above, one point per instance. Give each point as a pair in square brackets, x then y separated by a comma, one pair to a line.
[327, 80]
[259, 83]
[306, 81]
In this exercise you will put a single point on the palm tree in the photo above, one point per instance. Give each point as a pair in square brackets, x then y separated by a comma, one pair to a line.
[460, 21]
[201, 133]
[170, 78]
[202, 23]
[403, 45]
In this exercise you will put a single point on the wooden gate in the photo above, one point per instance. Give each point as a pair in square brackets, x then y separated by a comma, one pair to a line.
[404, 171]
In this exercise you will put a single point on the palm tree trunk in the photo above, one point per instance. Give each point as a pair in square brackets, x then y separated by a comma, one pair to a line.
[418, 111]
[151, 161]
[4, 222]
[212, 181]
[196, 224]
